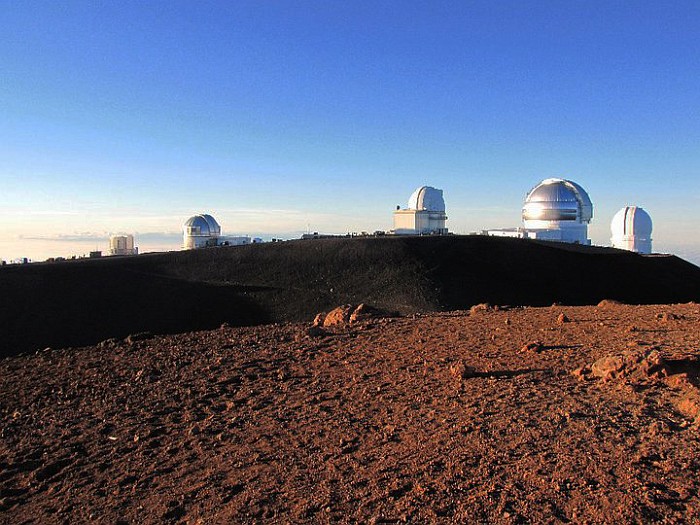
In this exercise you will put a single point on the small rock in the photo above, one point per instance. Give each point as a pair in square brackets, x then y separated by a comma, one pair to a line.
[140, 336]
[365, 312]
[581, 373]
[666, 317]
[609, 302]
[460, 370]
[318, 320]
[533, 346]
[562, 318]
[479, 308]
[107, 343]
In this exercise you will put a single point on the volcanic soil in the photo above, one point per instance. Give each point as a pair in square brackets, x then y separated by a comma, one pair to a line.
[522, 415]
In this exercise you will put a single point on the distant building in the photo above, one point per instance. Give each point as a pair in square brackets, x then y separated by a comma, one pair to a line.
[554, 210]
[201, 231]
[316, 235]
[95, 254]
[631, 230]
[122, 245]
[425, 214]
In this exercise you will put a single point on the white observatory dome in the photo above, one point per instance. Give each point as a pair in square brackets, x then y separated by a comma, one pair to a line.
[631, 230]
[200, 230]
[558, 200]
[426, 198]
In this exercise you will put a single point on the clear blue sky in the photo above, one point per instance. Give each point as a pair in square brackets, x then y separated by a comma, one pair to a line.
[131, 116]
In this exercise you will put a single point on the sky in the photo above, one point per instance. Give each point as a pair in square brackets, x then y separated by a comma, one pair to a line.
[279, 117]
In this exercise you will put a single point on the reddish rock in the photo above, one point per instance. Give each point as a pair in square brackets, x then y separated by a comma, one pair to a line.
[339, 316]
[665, 317]
[689, 405]
[608, 303]
[318, 320]
[533, 346]
[479, 308]
[460, 370]
[639, 363]
[365, 312]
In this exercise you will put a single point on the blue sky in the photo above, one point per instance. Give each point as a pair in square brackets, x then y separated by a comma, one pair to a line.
[275, 116]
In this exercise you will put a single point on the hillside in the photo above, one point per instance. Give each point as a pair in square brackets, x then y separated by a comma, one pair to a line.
[528, 415]
[83, 302]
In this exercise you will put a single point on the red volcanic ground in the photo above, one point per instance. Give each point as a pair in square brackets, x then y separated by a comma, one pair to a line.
[490, 416]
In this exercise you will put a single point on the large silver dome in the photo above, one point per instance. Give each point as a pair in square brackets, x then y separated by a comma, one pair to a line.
[202, 225]
[558, 200]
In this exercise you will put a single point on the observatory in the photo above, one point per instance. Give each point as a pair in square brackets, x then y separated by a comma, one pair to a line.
[558, 210]
[631, 230]
[201, 231]
[122, 245]
[554, 210]
[425, 214]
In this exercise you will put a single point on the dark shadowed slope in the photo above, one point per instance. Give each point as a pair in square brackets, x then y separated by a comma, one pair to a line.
[83, 302]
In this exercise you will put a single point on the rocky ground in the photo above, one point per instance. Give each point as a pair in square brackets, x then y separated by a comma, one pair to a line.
[528, 415]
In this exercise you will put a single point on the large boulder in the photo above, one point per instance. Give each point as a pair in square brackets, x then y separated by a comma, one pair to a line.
[348, 314]
[638, 364]
[339, 316]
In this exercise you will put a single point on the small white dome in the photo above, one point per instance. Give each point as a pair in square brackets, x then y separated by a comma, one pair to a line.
[427, 198]
[631, 221]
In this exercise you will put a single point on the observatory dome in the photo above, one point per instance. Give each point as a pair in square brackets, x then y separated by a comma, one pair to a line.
[631, 230]
[427, 198]
[557, 200]
[204, 225]
[200, 230]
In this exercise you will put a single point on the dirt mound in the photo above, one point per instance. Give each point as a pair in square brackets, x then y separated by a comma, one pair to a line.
[433, 418]
[87, 301]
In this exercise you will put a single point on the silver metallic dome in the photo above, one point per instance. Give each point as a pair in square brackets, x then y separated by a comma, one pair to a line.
[558, 200]
[427, 198]
[202, 225]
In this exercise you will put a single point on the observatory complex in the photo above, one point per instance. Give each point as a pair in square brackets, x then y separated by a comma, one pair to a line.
[554, 210]
[425, 214]
[631, 230]
[202, 231]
